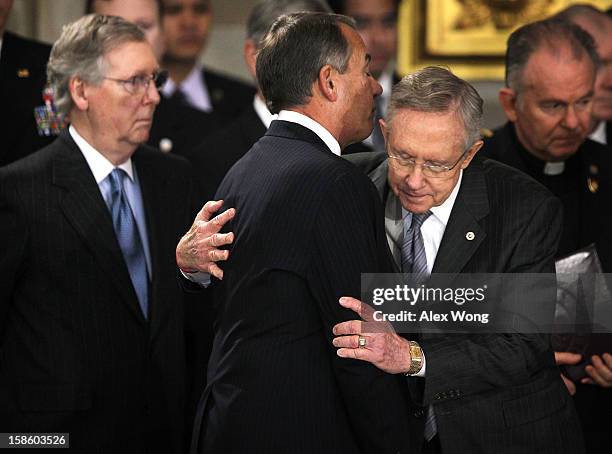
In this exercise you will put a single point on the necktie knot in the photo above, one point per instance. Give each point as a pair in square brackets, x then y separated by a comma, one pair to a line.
[116, 179]
[419, 218]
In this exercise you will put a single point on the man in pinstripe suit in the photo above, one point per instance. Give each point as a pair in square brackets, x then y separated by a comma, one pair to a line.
[478, 393]
[274, 382]
[91, 320]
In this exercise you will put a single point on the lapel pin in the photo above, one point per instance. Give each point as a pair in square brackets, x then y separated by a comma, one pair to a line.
[470, 236]
[165, 145]
[22, 73]
[593, 185]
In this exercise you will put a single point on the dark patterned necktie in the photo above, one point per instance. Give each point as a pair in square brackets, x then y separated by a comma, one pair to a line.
[414, 259]
[129, 238]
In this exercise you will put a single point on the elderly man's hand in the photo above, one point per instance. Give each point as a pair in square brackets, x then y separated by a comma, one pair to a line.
[600, 372]
[567, 359]
[383, 347]
[198, 248]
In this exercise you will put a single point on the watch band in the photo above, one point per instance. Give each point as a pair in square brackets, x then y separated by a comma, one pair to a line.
[416, 358]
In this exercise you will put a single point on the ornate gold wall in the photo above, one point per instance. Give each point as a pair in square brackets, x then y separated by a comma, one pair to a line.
[469, 36]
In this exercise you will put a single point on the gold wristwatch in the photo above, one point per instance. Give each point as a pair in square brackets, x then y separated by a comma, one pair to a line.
[416, 358]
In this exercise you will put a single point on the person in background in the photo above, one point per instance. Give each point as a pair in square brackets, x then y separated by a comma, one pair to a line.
[377, 24]
[186, 25]
[599, 25]
[551, 69]
[177, 127]
[23, 78]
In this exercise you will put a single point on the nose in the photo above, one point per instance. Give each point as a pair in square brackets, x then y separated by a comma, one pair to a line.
[414, 179]
[152, 93]
[570, 119]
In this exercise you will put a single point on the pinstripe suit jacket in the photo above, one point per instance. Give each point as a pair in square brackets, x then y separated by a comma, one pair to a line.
[307, 224]
[491, 393]
[77, 355]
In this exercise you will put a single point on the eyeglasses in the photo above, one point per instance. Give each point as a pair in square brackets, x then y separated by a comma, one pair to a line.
[138, 85]
[429, 170]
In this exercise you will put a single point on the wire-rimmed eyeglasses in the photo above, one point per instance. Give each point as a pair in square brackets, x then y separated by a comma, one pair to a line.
[138, 85]
[428, 169]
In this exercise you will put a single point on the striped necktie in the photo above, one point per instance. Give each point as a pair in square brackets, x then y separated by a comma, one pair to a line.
[128, 237]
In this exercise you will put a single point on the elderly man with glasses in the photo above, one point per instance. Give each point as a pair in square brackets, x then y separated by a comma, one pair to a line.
[91, 318]
[448, 211]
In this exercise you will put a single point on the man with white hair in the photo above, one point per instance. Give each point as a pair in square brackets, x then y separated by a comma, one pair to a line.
[91, 318]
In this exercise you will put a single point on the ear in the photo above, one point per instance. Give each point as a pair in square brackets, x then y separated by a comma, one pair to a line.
[384, 129]
[471, 153]
[250, 56]
[507, 99]
[327, 83]
[78, 92]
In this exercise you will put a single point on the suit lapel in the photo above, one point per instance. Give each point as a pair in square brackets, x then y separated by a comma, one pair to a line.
[463, 234]
[86, 211]
[153, 189]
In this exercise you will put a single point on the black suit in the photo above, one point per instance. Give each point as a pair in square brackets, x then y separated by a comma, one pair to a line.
[78, 356]
[218, 152]
[183, 126]
[586, 220]
[23, 74]
[587, 217]
[491, 393]
[229, 97]
[307, 225]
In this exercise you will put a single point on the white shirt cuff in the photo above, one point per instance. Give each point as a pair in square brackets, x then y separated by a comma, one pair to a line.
[200, 278]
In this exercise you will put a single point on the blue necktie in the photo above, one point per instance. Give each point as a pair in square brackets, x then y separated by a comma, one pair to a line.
[414, 261]
[129, 238]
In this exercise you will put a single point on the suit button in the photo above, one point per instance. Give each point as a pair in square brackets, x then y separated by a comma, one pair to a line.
[419, 413]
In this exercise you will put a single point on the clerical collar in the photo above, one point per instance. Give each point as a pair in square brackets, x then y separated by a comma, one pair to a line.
[536, 166]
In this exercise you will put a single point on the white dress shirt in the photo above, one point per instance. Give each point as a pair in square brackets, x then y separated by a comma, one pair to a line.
[194, 88]
[309, 123]
[262, 111]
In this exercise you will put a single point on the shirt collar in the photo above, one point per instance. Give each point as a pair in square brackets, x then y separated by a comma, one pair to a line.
[99, 165]
[386, 82]
[194, 88]
[307, 122]
[599, 134]
[442, 212]
[262, 111]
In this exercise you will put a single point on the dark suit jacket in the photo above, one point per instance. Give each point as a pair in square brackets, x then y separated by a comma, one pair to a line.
[307, 225]
[184, 126]
[229, 96]
[587, 218]
[23, 74]
[493, 393]
[77, 354]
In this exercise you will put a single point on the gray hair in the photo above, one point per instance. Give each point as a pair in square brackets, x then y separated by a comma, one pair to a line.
[551, 34]
[293, 52]
[266, 12]
[436, 89]
[80, 51]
